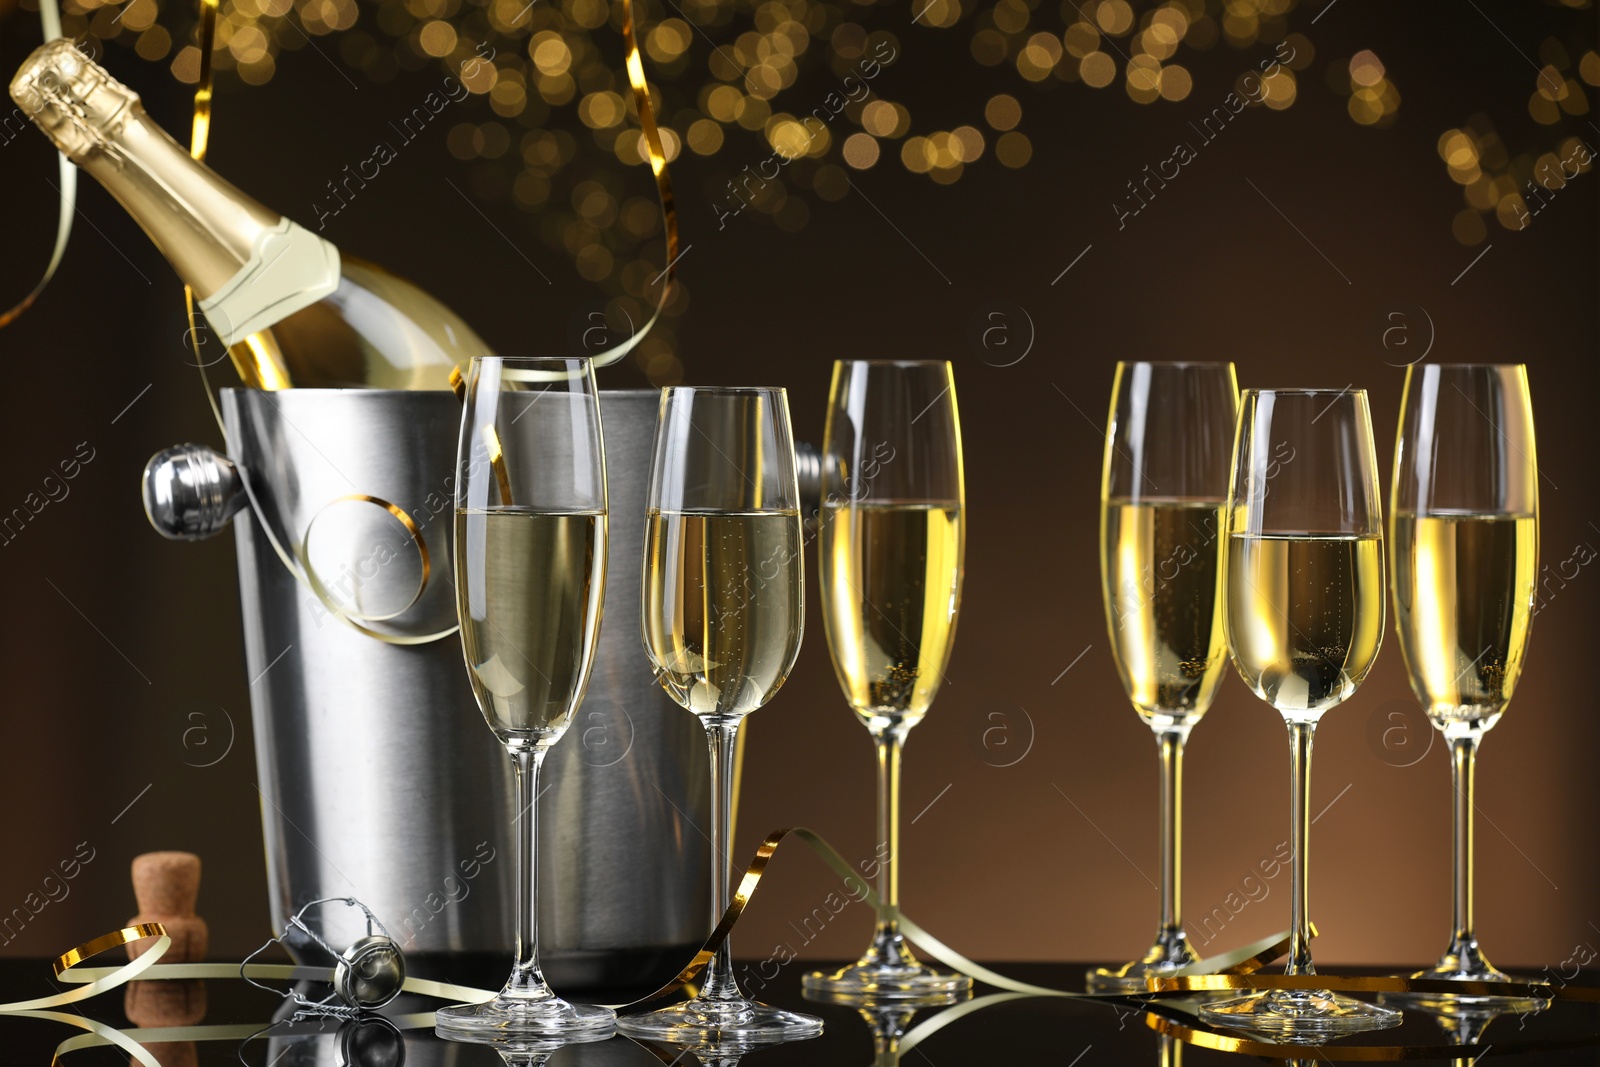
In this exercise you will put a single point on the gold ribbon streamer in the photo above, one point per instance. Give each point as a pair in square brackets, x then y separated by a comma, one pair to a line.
[410, 525]
[92, 981]
[115, 977]
[658, 168]
[100, 979]
[298, 562]
[1238, 962]
[66, 195]
[1158, 1017]
[1232, 971]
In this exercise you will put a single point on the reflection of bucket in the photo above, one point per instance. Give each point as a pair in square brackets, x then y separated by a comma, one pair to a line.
[379, 777]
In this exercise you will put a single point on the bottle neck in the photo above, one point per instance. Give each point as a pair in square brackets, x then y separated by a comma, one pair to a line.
[206, 228]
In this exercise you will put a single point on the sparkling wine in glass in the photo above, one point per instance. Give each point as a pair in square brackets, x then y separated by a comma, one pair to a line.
[1464, 549]
[530, 565]
[1163, 488]
[1304, 619]
[890, 549]
[723, 615]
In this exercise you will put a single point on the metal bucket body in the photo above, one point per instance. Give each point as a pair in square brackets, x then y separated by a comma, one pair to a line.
[379, 778]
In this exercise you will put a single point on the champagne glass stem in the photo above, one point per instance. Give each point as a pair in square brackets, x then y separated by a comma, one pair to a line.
[527, 980]
[722, 738]
[890, 742]
[1171, 744]
[1300, 734]
[1463, 774]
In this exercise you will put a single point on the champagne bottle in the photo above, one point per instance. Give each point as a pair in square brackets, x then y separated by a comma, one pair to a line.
[292, 311]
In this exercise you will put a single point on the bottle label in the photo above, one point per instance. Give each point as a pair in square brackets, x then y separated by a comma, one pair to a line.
[290, 268]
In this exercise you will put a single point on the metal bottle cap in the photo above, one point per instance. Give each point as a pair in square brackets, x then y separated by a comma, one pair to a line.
[190, 492]
[371, 1041]
[369, 973]
[72, 98]
[808, 475]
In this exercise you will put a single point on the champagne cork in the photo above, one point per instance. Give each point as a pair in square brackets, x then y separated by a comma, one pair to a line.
[162, 1003]
[166, 886]
[180, 1054]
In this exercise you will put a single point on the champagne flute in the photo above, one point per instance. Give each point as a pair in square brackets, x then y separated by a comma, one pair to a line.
[723, 614]
[1464, 544]
[530, 566]
[1304, 619]
[890, 549]
[1163, 486]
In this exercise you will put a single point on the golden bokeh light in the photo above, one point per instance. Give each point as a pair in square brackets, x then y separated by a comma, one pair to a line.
[1589, 67]
[1176, 83]
[1011, 16]
[153, 43]
[551, 128]
[1039, 56]
[884, 119]
[1143, 79]
[1080, 39]
[1366, 70]
[1013, 149]
[437, 38]
[1097, 69]
[704, 137]
[1279, 90]
[1002, 112]
[989, 47]
[1114, 17]
[917, 154]
[969, 139]
[860, 150]
[723, 103]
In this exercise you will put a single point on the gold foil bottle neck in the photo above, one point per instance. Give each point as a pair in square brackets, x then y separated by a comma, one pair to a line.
[72, 99]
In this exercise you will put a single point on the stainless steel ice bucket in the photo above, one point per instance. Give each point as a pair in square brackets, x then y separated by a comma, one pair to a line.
[379, 778]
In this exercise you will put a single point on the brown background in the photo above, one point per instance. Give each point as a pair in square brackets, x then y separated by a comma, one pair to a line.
[114, 637]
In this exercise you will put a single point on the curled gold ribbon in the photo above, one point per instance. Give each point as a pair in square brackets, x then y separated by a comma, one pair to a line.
[299, 565]
[1237, 963]
[92, 981]
[657, 156]
[314, 581]
[105, 942]
[1162, 1003]
[298, 561]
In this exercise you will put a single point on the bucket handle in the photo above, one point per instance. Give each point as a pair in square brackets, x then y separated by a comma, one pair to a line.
[191, 491]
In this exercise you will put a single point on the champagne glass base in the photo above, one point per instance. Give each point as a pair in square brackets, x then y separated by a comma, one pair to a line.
[872, 1005]
[1473, 968]
[725, 1022]
[508, 1019]
[1169, 955]
[1299, 1015]
[1130, 977]
[874, 980]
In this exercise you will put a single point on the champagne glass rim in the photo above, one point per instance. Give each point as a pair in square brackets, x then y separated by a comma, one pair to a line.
[1294, 391]
[1217, 363]
[566, 361]
[728, 390]
[1469, 366]
[892, 362]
